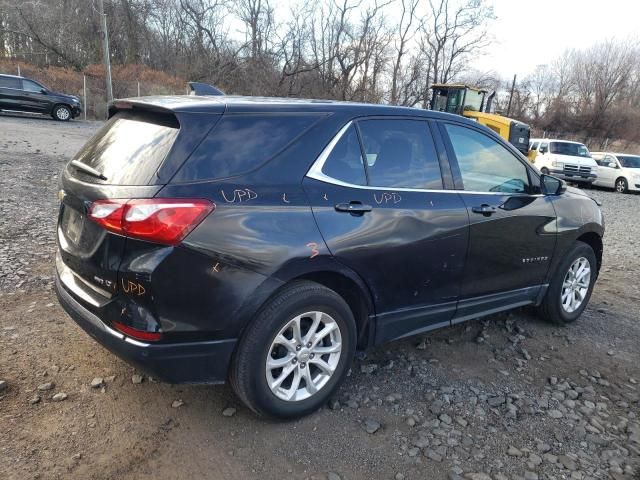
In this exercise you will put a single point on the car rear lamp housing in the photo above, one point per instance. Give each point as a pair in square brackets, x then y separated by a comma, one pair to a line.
[160, 220]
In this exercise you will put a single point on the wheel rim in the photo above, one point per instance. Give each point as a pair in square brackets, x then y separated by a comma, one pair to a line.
[620, 186]
[576, 285]
[303, 356]
[62, 113]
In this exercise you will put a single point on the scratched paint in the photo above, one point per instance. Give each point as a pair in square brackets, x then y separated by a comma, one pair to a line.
[240, 195]
[216, 268]
[284, 198]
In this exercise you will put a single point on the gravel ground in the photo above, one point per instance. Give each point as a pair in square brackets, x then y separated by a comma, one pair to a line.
[508, 397]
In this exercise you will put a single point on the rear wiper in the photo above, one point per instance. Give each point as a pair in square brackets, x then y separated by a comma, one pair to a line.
[87, 169]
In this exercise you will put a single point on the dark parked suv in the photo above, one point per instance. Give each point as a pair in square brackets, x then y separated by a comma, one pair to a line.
[265, 240]
[24, 95]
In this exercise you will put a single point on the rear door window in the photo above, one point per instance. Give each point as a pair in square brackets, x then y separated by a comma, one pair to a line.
[345, 160]
[128, 149]
[240, 143]
[400, 154]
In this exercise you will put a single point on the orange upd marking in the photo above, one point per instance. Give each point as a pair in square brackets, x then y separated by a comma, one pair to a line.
[133, 288]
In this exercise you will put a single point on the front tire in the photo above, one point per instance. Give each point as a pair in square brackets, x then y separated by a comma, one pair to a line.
[621, 185]
[61, 113]
[295, 353]
[571, 286]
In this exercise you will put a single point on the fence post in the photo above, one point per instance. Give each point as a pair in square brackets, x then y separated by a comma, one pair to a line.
[19, 70]
[84, 94]
[138, 88]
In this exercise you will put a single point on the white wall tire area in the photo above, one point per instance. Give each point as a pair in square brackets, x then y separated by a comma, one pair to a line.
[296, 352]
[571, 286]
[62, 113]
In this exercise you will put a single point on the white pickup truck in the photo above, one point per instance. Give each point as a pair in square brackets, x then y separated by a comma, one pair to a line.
[568, 160]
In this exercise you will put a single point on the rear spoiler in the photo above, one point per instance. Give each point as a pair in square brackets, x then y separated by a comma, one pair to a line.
[198, 88]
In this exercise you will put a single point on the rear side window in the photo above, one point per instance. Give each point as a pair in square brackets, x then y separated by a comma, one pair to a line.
[400, 153]
[10, 82]
[128, 149]
[345, 161]
[240, 143]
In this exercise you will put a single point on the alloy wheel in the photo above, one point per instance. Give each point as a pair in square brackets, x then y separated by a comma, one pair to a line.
[576, 285]
[620, 186]
[62, 113]
[303, 356]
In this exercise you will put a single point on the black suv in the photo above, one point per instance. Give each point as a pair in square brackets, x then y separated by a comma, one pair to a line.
[24, 95]
[265, 240]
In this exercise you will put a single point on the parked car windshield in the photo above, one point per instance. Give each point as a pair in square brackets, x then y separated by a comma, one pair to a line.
[629, 161]
[569, 148]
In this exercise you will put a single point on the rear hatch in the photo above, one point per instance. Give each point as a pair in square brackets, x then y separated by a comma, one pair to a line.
[131, 157]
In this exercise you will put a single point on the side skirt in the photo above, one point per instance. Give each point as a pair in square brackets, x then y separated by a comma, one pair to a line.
[408, 322]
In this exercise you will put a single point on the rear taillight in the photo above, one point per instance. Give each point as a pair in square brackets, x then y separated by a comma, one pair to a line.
[160, 220]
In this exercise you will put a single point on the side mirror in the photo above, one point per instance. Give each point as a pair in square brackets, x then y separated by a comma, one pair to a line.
[551, 185]
[612, 165]
[44, 91]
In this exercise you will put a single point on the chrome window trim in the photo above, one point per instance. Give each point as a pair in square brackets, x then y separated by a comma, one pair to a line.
[315, 172]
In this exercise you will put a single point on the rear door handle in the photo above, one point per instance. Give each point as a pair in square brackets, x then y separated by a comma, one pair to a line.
[355, 208]
[484, 209]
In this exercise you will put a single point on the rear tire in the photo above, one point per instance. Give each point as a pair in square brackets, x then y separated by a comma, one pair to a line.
[61, 113]
[271, 339]
[571, 286]
[621, 185]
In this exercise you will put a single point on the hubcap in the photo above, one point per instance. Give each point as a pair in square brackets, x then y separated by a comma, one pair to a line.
[303, 356]
[576, 284]
[620, 186]
[63, 113]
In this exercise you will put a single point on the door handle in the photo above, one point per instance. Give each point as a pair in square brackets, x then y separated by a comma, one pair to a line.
[354, 208]
[484, 209]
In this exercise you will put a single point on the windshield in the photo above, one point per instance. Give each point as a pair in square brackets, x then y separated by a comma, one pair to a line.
[569, 148]
[629, 161]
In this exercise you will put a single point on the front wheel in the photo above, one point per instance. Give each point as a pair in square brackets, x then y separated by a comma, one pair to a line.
[621, 185]
[296, 352]
[571, 286]
[61, 113]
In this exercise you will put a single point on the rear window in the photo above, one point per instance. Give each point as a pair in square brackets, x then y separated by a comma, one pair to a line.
[242, 142]
[10, 82]
[128, 149]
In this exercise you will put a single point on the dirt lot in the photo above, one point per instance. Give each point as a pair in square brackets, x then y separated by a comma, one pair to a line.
[508, 397]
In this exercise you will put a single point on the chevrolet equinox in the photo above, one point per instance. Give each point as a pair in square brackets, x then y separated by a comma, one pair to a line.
[264, 241]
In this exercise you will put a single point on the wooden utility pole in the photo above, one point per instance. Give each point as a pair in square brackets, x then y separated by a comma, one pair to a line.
[513, 87]
[105, 47]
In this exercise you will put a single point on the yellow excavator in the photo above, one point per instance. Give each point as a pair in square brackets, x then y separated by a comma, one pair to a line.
[473, 103]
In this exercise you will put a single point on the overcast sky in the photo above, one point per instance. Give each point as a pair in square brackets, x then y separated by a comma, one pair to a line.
[533, 33]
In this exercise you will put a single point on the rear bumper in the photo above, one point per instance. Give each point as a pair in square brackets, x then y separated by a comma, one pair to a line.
[193, 362]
